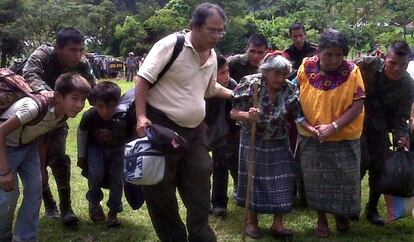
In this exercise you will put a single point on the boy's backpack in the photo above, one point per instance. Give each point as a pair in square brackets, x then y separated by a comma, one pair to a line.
[13, 87]
[125, 110]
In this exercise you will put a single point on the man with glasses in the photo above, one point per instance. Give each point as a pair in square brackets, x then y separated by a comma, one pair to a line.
[176, 101]
[41, 71]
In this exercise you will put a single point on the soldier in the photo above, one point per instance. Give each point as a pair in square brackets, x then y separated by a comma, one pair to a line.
[248, 63]
[41, 71]
[389, 95]
[131, 65]
[300, 47]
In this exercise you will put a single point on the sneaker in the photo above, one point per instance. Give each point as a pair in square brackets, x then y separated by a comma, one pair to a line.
[96, 213]
[112, 220]
[219, 211]
[52, 212]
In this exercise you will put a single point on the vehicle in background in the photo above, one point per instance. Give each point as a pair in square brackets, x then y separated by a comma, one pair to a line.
[105, 66]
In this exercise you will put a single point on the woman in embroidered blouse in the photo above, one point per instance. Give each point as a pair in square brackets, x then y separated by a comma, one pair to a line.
[332, 96]
[274, 175]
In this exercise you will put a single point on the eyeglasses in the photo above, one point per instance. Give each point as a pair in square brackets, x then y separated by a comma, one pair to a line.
[212, 31]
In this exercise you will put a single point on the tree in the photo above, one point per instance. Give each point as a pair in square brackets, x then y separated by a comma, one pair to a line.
[132, 36]
[10, 36]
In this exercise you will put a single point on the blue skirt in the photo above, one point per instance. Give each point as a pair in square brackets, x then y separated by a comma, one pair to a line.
[274, 175]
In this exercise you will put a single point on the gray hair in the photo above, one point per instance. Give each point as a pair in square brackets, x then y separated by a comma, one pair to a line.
[275, 63]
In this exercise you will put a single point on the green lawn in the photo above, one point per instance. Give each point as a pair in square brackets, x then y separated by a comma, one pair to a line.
[136, 225]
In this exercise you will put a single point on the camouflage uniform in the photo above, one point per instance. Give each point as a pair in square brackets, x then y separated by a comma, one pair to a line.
[239, 67]
[387, 109]
[41, 71]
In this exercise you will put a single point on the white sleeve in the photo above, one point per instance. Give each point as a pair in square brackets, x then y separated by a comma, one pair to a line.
[26, 109]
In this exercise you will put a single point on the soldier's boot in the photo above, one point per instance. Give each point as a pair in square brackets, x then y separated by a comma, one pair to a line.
[51, 210]
[371, 209]
[62, 176]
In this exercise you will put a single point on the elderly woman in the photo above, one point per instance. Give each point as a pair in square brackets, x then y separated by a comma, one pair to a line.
[332, 97]
[274, 173]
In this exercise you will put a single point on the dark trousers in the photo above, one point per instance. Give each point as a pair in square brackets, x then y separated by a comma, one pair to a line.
[189, 173]
[52, 147]
[225, 160]
[374, 145]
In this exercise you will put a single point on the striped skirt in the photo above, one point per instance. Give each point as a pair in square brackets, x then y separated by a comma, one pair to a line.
[274, 175]
[331, 173]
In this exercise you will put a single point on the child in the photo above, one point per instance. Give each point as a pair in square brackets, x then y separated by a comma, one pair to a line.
[19, 154]
[223, 136]
[101, 146]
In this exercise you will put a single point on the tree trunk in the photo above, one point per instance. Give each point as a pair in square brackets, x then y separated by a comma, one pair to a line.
[3, 60]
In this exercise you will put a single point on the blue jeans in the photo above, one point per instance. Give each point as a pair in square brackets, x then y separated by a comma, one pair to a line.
[25, 161]
[100, 161]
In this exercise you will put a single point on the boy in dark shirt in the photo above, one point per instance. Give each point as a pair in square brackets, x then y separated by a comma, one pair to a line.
[101, 147]
[223, 138]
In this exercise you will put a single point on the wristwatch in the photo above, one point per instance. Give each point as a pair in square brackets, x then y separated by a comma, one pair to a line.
[335, 125]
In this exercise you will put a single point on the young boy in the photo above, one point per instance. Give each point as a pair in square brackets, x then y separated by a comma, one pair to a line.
[19, 154]
[100, 145]
[223, 137]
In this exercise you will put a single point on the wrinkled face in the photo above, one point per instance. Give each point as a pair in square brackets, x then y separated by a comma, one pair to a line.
[330, 58]
[395, 65]
[298, 37]
[71, 104]
[223, 75]
[276, 79]
[71, 54]
[211, 32]
[255, 54]
[105, 110]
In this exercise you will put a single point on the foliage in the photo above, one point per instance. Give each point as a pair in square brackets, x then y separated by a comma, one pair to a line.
[118, 26]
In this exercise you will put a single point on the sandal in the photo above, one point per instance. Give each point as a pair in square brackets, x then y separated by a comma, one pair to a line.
[253, 231]
[322, 232]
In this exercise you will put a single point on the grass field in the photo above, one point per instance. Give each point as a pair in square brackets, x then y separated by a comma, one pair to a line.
[136, 225]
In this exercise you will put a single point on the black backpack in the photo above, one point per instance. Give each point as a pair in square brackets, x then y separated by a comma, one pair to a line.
[125, 111]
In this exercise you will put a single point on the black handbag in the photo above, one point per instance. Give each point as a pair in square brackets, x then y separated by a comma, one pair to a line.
[397, 174]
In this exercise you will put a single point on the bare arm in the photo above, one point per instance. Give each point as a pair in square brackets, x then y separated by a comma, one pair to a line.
[141, 92]
[252, 114]
[325, 130]
[7, 182]
[224, 93]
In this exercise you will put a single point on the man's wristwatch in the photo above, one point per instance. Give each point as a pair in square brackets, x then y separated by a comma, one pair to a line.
[335, 125]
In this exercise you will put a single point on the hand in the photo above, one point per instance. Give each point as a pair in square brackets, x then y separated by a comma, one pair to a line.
[403, 143]
[7, 182]
[142, 124]
[313, 131]
[254, 114]
[47, 94]
[325, 130]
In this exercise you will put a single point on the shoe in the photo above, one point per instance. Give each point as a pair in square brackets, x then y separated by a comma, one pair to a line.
[69, 218]
[281, 234]
[52, 212]
[220, 211]
[112, 220]
[375, 219]
[253, 231]
[96, 213]
[322, 232]
[342, 224]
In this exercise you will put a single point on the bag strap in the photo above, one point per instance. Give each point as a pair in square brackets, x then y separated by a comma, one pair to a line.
[178, 47]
